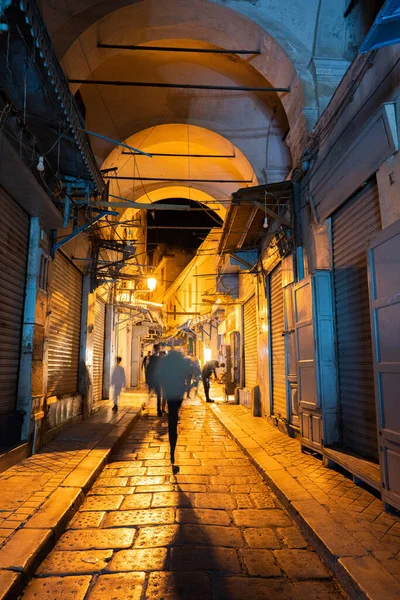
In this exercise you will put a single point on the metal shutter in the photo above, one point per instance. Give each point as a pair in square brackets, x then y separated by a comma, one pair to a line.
[277, 344]
[98, 348]
[353, 225]
[14, 246]
[250, 343]
[65, 327]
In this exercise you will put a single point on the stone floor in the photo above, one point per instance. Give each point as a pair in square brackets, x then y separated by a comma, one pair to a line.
[213, 530]
[25, 487]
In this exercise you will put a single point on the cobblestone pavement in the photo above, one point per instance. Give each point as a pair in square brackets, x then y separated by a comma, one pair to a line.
[25, 487]
[213, 530]
[358, 510]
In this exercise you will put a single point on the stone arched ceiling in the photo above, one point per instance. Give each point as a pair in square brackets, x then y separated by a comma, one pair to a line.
[209, 180]
[198, 23]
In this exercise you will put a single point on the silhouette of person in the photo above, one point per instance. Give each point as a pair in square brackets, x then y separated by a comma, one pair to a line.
[118, 381]
[173, 372]
[208, 370]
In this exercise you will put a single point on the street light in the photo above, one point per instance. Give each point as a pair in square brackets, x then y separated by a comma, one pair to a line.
[151, 283]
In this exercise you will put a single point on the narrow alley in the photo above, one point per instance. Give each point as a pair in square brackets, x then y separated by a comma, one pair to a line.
[199, 242]
[214, 530]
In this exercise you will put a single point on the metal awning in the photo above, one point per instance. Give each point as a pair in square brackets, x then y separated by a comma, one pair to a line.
[244, 221]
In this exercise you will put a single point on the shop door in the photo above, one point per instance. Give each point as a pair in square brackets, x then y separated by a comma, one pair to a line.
[278, 368]
[14, 245]
[353, 226]
[250, 343]
[384, 289]
[65, 327]
[98, 348]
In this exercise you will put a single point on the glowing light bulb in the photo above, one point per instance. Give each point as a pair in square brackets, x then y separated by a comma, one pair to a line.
[265, 224]
[151, 283]
[40, 165]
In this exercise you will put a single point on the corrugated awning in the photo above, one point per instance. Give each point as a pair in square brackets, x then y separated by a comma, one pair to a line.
[244, 221]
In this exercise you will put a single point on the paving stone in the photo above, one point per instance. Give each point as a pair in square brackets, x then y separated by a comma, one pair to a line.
[202, 516]
[156, 536]
[214, 500]
[154, 516]
[139, 559]
[375, 582]
[238, 588]
[106, 491]
[122, 464]
[87, 520]
[112, 482]
[144, 480]
[136, 501]
[119, 586]
[200, 558]
[243, 501]
[62, 588]
[191, 487]
[97, 539]
[179, 586]
[9, 582]
[131, 471]
[292, 537]
[103, 502]
[22, 549]
[75, 563]
[315, 590]
[260, 562]
[189, 479]
[261, 518]
[166, 487]
[211, 535]
[258, 537]
[301, 564]
[263, 500]
[165, 470]
[171, 499]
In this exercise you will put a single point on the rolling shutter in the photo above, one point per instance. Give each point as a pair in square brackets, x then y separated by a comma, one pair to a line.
[250, 343]
[353, 226]
[277, 344]
[98, 348]
[14, 245]
[65, 327]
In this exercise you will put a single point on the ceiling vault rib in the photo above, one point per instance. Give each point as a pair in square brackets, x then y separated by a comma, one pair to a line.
[190, 180]
[175, 49]
[186, 86]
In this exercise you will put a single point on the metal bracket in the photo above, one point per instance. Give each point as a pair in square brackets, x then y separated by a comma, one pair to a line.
[77, 230]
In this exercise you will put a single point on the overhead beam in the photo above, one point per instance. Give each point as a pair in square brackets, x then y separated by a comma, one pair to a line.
[179, 86]
[133, 178]
[182, 155]
[102, 204]
[175, 49]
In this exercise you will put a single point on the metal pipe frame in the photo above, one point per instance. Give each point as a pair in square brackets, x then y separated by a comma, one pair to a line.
[186, 86]
[175, 49]
[170, 155]
[131, 178]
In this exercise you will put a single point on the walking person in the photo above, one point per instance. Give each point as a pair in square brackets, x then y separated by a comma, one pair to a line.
[196, 374]
[208, 370]
[118, 381]
[153, 378]
[145, 364]
[173, 373]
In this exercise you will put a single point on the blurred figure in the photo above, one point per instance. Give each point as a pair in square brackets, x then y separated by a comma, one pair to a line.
[173, 372]
[189, 359]
[153, 378]
[221, 372]
[196, 374]
[145, 365]
[118, 381]
[208, 370]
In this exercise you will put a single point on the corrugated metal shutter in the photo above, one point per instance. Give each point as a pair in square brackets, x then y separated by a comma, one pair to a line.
[277, 344]
[14, 246]
[65, 327]
[250, 343]
[353, 225]
[98, 348]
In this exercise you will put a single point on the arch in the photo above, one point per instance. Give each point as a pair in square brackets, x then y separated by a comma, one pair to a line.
[206, 23]
[174, 138]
